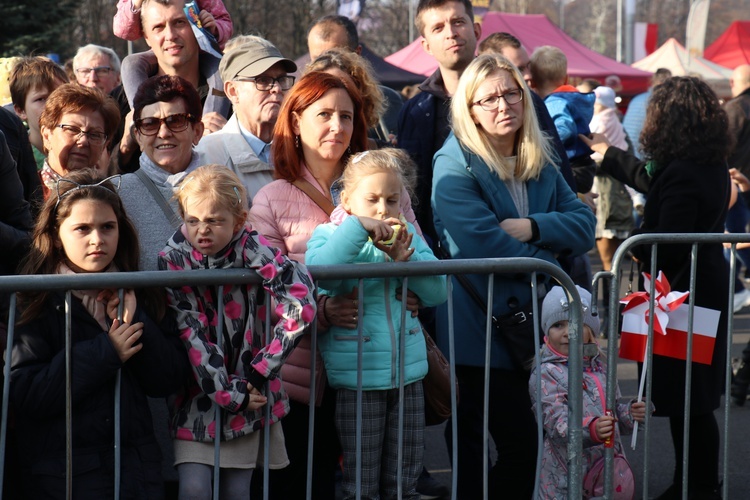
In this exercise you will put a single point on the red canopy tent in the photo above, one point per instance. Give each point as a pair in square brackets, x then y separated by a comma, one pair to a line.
[534, 31]
[732, 48]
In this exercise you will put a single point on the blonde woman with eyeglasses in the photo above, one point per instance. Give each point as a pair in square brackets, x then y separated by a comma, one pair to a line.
[496, 192]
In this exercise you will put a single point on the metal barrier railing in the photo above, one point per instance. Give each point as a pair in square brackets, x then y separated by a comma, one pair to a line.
[360, 272]
[619, 263]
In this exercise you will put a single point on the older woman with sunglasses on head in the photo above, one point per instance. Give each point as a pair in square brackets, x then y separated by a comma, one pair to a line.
[167, 125]
[76, 125]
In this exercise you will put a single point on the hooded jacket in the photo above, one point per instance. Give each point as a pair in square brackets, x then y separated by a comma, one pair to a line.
[221, 374]
[349, 243]
[572, 112]
[553, 480]
[287, 217]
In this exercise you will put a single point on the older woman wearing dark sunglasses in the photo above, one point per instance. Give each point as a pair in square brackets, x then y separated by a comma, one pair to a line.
[167, 125]
[76, 125]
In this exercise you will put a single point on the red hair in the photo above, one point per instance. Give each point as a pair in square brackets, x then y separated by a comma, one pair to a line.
[287, 156]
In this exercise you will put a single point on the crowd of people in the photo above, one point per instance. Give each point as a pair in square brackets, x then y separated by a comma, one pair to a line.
[211, 152]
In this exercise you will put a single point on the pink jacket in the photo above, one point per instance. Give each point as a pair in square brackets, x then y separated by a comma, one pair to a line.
[287, 218]
[127, 24]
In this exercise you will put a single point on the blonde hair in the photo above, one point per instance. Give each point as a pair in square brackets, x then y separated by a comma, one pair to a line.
[548, 66]
[532, 146]
[360, 70]
[374, 161]
[215, 183]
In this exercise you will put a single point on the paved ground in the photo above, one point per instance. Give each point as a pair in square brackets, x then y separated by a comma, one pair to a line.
[661, 453]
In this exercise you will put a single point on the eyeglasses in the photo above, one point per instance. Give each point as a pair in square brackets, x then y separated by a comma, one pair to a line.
[99, 70]
[176, 123]
[113, 179]
[265, 83]
[491, 103]
[75, 133]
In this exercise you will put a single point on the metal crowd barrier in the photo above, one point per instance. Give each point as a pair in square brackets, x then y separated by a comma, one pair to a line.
[621, 264]
[490, 267]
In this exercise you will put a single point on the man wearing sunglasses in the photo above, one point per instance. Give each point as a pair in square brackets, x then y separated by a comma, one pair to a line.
[256, 78]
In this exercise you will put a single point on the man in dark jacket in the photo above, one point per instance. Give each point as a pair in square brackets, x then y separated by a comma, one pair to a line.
[450, 36]
[424, 121]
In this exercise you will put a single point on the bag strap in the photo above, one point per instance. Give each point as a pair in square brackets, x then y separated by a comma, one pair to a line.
[158, 197]
[315, 195]
[464, 281]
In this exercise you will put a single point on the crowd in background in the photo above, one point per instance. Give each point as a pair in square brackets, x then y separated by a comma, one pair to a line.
[215, 151]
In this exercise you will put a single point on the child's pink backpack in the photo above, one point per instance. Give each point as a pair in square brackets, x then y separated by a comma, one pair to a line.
[623, 482]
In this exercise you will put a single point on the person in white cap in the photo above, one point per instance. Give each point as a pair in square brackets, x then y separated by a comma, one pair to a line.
[256, 78]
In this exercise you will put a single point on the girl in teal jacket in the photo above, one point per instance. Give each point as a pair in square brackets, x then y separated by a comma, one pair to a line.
[366, 228]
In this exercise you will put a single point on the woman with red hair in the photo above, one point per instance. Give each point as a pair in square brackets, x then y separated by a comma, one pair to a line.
[321, 124]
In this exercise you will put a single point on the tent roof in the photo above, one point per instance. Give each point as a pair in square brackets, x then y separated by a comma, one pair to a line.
[386, 73]
[534, 31]
[676, 58]
[732, 48]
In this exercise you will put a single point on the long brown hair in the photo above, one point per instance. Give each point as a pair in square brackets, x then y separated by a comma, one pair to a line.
[46, 254]
[287, 156]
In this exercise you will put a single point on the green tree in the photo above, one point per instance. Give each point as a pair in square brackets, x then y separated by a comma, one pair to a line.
[37, 26]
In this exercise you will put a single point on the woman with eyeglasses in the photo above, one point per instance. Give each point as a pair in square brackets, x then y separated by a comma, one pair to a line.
[76, 126]
[167, 125]
[496, 192]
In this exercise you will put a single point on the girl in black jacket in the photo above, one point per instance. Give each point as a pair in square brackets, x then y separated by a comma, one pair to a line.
[83, 228]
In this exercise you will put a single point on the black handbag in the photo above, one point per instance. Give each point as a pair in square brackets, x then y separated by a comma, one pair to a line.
[515, 329]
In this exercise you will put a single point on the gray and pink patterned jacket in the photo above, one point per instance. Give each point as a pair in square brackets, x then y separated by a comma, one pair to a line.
[221, 374]
[553, 480]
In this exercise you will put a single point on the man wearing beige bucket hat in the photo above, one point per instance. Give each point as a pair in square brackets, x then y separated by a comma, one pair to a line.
[256, 78]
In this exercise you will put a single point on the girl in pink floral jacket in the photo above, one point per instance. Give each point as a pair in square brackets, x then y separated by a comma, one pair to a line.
[240, 373]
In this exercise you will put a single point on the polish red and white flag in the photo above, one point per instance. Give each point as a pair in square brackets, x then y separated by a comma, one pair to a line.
[670, 325]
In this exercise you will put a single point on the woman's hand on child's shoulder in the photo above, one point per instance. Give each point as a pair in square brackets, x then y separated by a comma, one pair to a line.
[111, 300]
[124, 338]
[255, 398]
